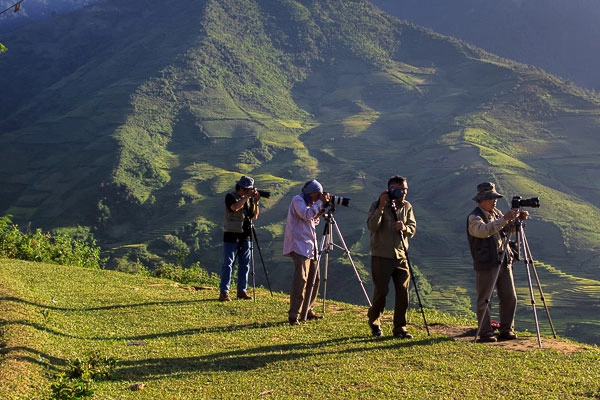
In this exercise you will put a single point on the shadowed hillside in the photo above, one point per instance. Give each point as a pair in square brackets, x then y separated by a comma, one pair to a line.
[135, 118]
[560, 36]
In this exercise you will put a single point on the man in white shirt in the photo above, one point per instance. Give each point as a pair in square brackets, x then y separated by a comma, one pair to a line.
[300, 243]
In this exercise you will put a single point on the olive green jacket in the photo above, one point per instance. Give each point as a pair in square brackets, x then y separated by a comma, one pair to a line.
[385, 240]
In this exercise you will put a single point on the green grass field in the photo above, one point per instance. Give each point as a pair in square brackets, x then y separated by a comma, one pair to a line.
[184, 344]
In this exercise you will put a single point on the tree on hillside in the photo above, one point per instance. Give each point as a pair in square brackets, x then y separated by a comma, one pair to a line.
[16, 7]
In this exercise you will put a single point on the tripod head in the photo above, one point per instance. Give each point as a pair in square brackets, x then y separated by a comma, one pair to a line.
[329, 211]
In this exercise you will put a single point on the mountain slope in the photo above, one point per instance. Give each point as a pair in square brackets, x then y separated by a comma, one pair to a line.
[135, 118]
[559, 36]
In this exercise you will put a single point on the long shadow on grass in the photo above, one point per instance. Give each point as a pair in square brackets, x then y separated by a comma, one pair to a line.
[111, 307]
[259, 357]
[27, 354]
[136, 338]
[238, 360]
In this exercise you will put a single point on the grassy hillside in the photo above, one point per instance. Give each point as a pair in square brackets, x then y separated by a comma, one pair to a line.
[136, 124]
[184, 344]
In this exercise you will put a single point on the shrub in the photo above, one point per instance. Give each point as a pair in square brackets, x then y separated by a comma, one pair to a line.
[57, 248]
[192, 275]
[78, 382]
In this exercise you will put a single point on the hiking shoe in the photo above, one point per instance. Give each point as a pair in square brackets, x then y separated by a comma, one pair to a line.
[487, 339]
[224, 296]
[376, 330]
[243, 295]
[507, 336]
[403, 335]
[294, 321]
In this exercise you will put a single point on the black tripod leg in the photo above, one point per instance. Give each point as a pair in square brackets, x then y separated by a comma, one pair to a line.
[488, 300]
[255, 238]
[412, 277]
[252, 270]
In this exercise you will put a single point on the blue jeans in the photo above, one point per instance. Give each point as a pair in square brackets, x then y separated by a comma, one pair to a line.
[230, 250]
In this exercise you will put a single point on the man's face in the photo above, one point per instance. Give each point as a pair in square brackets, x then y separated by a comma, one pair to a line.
[244, 191]
[488, 204]
[314, 196]
[400, 186]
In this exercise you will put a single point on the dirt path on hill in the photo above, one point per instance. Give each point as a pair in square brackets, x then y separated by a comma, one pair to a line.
[522, 343]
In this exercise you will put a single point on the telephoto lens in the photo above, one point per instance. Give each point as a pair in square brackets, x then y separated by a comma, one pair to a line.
[264, 193]
[518, 202]
[344, 201]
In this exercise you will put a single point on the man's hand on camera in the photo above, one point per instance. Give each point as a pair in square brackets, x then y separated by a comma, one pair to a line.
[523, 215]
[255, 194]
[516, 213]
[383, 198]
[325, 197]
[511, 214]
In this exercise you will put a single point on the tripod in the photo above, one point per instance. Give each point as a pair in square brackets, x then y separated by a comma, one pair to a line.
[410, 270]
[524, 245]
[522, 242]
[327, 245]
[253, 239]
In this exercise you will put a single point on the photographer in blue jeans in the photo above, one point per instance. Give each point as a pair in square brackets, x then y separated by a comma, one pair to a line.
[241, 206]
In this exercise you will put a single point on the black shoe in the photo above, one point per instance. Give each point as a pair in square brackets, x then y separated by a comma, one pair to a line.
[243, 295]
[507, 336]
[376, 330]
[294, 321]
[487, 339]
[403, 335]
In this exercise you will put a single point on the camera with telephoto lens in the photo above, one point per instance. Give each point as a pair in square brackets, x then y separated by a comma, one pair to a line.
[518, 202]
[333, 200]
[264, 193]
[396, 193]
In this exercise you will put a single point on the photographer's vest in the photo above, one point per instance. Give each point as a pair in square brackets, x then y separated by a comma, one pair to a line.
[485, 252]
[234, 221]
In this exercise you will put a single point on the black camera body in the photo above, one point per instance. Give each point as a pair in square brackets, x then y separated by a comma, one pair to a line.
[264, 193]
[396, 193]
[518, 202]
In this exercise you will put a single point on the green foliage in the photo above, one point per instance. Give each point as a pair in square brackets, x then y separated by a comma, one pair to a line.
[78, 382]
[65, 388]
[194, 274]
[2, 48]
[59, 248]
[177, 249]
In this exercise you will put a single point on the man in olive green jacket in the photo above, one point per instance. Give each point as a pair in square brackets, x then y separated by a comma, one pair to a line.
[391, 219]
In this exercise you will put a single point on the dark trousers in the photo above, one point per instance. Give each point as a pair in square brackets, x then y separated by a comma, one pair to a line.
[382, 270]
[507, 299]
